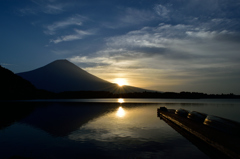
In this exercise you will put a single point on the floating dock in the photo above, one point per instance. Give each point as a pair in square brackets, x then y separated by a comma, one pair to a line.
[217, 133]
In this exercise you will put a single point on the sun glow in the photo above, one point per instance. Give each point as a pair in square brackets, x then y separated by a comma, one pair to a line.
[120, 100]
[120, 81]
[120, 112]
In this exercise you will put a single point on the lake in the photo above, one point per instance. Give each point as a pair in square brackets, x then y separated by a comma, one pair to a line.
[101, 128]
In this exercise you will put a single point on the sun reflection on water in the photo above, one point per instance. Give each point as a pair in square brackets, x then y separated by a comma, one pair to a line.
[120, 112]
[120, 100]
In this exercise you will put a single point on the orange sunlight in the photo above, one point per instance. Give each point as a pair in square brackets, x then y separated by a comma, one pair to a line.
[120, 100]
[120, 81]
[120, 112]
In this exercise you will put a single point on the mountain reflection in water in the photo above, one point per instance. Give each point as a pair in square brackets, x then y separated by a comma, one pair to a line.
[60, 119]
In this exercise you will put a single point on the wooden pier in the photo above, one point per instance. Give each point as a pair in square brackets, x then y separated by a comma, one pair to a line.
[221, 135]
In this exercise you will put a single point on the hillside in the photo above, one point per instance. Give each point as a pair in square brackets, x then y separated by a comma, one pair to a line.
[14, 87]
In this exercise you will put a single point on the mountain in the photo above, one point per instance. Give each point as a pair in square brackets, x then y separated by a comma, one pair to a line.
[62, 76]
[14, 87]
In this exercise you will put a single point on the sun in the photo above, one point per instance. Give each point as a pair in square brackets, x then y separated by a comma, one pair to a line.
[120, 81]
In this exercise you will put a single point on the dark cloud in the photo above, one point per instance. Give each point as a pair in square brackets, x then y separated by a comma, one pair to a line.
[231, 37]
[91, 64]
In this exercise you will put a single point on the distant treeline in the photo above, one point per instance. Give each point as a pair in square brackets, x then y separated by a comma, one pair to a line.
[105, 94]
[188, 95]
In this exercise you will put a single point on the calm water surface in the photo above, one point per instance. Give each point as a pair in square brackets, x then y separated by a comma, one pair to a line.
[110, 128]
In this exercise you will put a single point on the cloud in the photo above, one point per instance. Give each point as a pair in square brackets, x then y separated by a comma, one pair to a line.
[53, 9]
[130, 16]
[136, 16]
[200, 12]
[75, 20]
[51, 6]
[162, 11]
[79, 34]
[67, 25]
[173, 39]
[172, 46]
[45, 6]
[111, 59]
[155, 40]
[170, 55]
[92, 60]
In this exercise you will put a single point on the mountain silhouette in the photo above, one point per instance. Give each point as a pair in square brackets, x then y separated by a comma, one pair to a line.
[62, 76]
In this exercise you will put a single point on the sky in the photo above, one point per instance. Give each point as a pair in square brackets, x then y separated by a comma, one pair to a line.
[164, 45]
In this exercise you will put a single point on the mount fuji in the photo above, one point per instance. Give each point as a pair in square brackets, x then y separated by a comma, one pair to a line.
[62, 76]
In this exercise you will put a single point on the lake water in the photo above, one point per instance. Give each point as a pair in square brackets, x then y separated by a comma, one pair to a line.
[101, 128]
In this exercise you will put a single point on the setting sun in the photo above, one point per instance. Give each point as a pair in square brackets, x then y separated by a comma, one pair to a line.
[120, 81]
